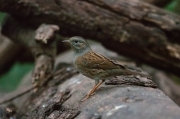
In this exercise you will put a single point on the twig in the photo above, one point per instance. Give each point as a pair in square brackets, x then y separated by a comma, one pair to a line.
[16, 94]
[140, 81]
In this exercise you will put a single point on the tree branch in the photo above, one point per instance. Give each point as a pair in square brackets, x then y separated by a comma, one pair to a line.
[134, 29]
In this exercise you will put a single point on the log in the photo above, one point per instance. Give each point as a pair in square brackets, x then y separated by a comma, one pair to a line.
[39, 41]
[8, 53]
[11, 53]
[131, 28]
[108, 102]
[168, 86]
[60, 98]
[11, 50]
[5, 113]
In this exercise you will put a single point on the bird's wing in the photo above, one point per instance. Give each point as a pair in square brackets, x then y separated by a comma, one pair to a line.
[94, 60]
[97, 61]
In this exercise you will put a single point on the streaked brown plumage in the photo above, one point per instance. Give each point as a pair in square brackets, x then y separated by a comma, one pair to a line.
[97, 66]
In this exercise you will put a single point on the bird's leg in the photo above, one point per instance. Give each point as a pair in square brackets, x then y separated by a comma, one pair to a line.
[92, 90]
[97, 86]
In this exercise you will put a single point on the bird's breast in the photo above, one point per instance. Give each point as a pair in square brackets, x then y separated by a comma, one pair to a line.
[81, 67]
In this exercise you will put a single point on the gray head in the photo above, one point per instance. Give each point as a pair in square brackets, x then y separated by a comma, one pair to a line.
[78, 44]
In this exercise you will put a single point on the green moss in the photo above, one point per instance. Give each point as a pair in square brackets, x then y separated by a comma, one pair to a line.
[2, 16]
[10, 80]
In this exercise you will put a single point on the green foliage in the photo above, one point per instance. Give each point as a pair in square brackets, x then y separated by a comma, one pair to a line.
[2, 16]
[172, 5]
[10, 80]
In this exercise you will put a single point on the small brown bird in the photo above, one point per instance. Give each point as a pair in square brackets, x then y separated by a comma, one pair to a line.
[97, 66]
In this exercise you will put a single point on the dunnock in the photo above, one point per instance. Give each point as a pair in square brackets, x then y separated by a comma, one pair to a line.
[97, 66]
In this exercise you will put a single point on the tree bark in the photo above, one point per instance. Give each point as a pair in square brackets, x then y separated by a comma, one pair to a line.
[134, 29]
[61, 98]
[126, 97]
[63, 101]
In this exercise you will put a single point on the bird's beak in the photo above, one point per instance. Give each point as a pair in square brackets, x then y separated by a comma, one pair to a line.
[67, 41]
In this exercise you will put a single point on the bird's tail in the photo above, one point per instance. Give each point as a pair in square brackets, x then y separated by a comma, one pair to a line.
[137, 71]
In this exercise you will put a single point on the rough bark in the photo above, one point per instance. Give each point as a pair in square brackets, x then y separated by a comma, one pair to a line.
[39, 41]
[11, 52]
[132, 28]
[60, 99]
[5, 113]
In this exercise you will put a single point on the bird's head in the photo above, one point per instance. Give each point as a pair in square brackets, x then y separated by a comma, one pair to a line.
[78, 44]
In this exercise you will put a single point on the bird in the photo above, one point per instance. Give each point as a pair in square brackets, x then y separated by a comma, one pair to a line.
[96, 66]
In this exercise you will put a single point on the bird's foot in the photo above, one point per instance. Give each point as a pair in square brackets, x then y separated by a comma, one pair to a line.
[91, 92]
[87, 96]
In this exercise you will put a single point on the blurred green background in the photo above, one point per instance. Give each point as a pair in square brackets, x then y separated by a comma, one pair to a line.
[10, 80]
